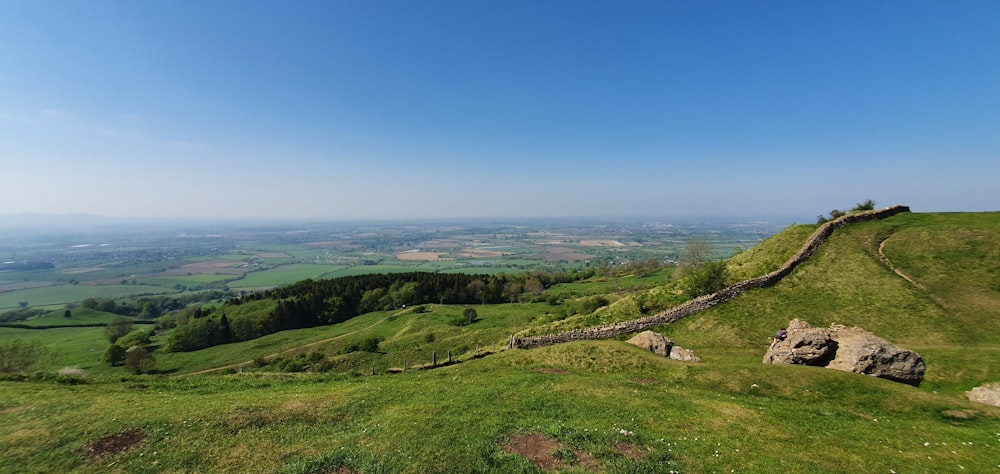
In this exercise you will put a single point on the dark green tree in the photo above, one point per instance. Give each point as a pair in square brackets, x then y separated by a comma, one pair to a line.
[118, 328]
[867, 205]
[140, 361]
[371, 344]
[114, 355]
[470, 315]
[705, 279]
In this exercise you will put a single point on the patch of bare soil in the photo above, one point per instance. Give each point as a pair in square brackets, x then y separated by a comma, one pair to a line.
[551, 370]
[645, 381]
[549, 454]
[17, 409]
[114, 444]
[629, 450]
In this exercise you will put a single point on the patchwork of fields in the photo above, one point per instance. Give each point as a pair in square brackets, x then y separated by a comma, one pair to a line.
[64, 272]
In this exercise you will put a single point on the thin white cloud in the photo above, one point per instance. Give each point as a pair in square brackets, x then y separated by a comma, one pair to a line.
[58, 114]
[119, 133]
[184, 144]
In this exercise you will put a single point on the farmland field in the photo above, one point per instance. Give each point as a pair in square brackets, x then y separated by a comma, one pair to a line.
[65, 294]
[286, 274]
[53, 272]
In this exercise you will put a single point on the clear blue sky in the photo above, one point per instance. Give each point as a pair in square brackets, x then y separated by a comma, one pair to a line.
[400, 109]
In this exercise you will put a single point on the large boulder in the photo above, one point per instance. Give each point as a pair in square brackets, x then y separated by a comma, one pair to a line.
[654, 342]
[851, 350]
[659, 344]
[988, 394]
[862, 352]
[805, 345]
[683, 355]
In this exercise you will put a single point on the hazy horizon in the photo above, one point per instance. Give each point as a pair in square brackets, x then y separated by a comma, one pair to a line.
[358, 110]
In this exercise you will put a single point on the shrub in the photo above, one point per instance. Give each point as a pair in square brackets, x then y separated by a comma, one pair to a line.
[593, 304]
[140, 361]
[371, 344]
[138, 337]
[705, 279]
[114, 355]
[20, 356]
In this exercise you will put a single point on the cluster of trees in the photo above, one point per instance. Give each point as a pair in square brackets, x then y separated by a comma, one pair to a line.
[152, 306]
[129, 346]
[867, 205]
[21, 314]
[311, 303]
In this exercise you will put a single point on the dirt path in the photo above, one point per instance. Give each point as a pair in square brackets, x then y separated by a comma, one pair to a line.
[888, 263]
[296, 348]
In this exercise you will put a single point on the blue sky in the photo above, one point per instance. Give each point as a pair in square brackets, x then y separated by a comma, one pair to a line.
[427, 109]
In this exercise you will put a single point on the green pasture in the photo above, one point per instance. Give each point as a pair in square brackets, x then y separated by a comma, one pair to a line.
[65, 294]
[78, 316]
[66, 347]
[373, 269]
[186, 280]
[634, 412]
[286, 274]
[611, 284]
[116, 270]
[404, 333]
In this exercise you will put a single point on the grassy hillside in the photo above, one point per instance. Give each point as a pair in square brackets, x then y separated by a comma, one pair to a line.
[927, 282]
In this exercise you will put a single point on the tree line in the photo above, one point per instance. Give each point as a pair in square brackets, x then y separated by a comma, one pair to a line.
[311, 303]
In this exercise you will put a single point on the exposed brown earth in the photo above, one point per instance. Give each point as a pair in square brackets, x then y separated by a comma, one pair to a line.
[541, 451]
[114, 444]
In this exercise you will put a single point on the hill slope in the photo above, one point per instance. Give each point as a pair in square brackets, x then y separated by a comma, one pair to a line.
[926, 282]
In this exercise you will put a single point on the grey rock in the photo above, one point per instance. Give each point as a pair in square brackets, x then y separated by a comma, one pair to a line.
[805, 345]
[851, 350]
[653, 342]
[683, 355]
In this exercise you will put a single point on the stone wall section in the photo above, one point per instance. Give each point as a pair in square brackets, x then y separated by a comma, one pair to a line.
[818, 238]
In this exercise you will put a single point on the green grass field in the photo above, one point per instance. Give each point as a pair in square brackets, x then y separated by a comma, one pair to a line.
[286, 274]
[597, 406]
[186, 280]
[64, 294]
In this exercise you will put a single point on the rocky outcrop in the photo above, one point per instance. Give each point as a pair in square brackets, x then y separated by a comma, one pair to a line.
[683, 355]
[653, 342]
[659, 344]
[848, 349]
[988, 394]
[804, 345]
[704, 302]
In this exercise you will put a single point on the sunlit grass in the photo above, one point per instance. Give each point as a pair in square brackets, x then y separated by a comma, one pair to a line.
[728, 413]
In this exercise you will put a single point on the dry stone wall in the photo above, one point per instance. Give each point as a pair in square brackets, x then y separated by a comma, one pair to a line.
[704, 302]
